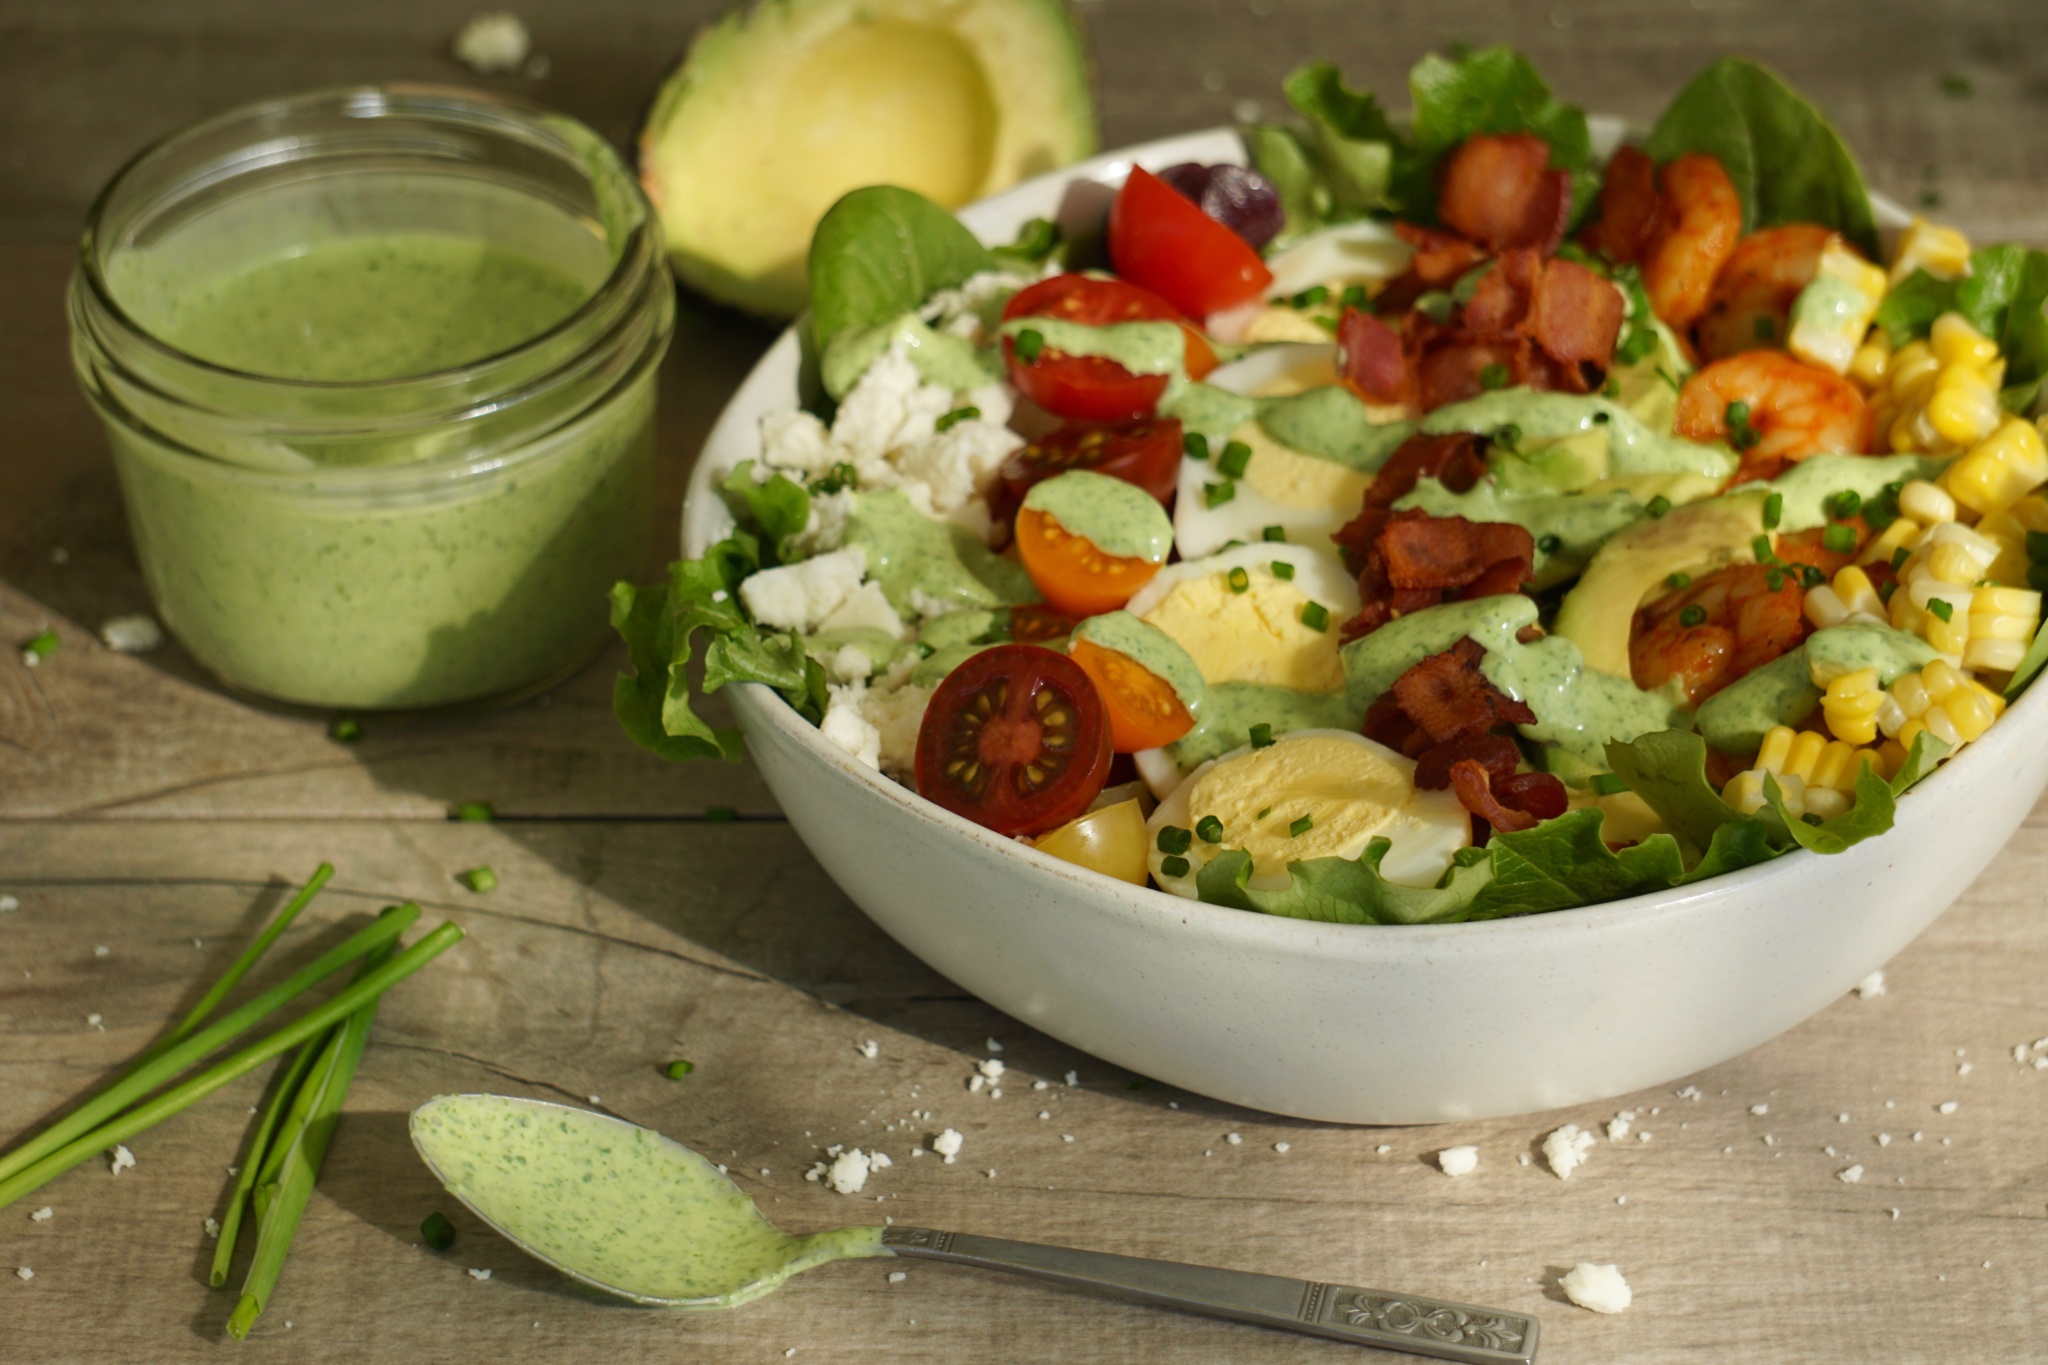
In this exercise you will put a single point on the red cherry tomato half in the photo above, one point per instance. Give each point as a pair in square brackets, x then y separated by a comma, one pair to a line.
[1035, 623]
[1163, 241]
[1144, 453]
[1091, 388]
[1015, 739]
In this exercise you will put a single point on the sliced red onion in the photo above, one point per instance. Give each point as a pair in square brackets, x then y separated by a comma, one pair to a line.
[1236, 196]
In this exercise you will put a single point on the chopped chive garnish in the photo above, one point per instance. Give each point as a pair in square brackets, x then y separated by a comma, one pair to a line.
[1240, 581]
[1282, 569]
[1774, 579]
[1899, 558]
[1607, 784]
[1174, 839]
[1263, 813]
[955, 418]
[1550, 545]
[1216, 494]
[1760, 546]
[1029, 343]
[1324, 321]
[1885, 591]
[437, 1231]
[1657, 506]
[1811, 577]
[1941, 609]
[1236, 455]
[1847, 503]
[1311, 296]
[1494, 376]
[1275, 534]
[1209, 830]
[1507, 436]
[1232, 544]
[1611, 389]
[43, 645]
[1173, 866]
[345, 730]
[1195, 445]
[476, 812]
[1261, 737]
[1315, 616]
[1354, 296]
[720, 815]
[1774, 511]
[1763, 329]
[1678, 580]
[480, 879]
[1692, 615]
[677, 1069]
[1668, 378]
[1301, 826]
[1838, 539]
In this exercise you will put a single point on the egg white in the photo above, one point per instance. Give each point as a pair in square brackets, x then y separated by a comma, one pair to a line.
[1425, 830]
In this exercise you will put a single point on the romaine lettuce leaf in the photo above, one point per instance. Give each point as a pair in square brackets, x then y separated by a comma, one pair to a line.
[1493, 90]
[1788, 165]
[660, 624]
[2002, 297]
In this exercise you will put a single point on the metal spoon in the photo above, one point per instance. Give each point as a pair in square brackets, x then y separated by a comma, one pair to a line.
[628, 1211]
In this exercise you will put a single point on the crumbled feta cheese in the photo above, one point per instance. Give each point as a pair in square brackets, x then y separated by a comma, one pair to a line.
[93, 1021]
[845, 726]
[869, 1049]
[1759, 1109]
[848, 664]
[1234, 1139]
[1884, 1139]
[797, 440]
[880, 1161]
[990, 1173]
[947, 1144]
[957, 464]
[992, 1045]
[972, 307]
[1690, 1092]
[848, 1171]
[825, 529]
[42, 1215]
[212, 1226]
[991, 1068]
[123, 1159]
[1458, 1160]
[136, 633]
[476, 1274]
[1282, 1147]
[1945, 1107]
[1566, 1148]
[24, 1273]
[8, 905]
[1598, 1287]
[802, 595]
[1870, 987]
[896, 717]
[493, 43]
[1045, 1113]
[101, 950]
[1074, 1079]
[897, 1277]
[975, 1083]
[890, 407]
[1963, 1070]
[1066, 1137]
[1041, 1085]
[866, 607]
[1850, 1175]
[1618, 1126]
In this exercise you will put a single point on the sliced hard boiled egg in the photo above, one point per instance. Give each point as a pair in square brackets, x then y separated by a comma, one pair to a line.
[1306, 497]
[1309, 794]
[1242, 619]
[1276, 371]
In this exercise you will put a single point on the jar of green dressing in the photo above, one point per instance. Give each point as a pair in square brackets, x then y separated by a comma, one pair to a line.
[377, 367]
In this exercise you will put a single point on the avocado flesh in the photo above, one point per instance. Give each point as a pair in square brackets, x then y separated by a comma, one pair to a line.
[778, 111]
[1634, 564]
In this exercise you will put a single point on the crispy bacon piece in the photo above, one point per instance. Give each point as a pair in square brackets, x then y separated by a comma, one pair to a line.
[1500, 300]
[1497, 754]
[1449, 698]
[1630, 207]
[1575, 316]
[1496, 189]
[1371, 358]
[1475, 794]
[1411, 560]
[1539, 794]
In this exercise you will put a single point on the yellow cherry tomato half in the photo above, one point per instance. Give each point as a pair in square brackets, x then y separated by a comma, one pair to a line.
[1071, 572]
[1110, 841]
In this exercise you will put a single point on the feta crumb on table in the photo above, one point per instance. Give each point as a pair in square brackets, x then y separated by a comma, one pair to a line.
[948, 1144]
[1618, 1126]
[848, 1172]
[123, 1159]
[212, 1226]
[1566, 1148]
[8, 905]
[1598, 1287]
[135, 633]
[1946, 1107]
[476, 1274]
[1759, 1109]
[24, 1273]
[1234, 1139]
[1850, 1175]
[869, 1049]
[897, 1277]
[42, 1215]
[1456, 1161]
[493, 43]
[1870, 987]
[1283, 1147]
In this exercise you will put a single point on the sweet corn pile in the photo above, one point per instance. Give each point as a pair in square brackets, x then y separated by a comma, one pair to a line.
[1963, 565]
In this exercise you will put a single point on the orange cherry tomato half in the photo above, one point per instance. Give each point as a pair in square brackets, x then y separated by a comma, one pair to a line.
[1145, 453]
[1035, 623]
[1088, 388]
[1015, 739]
[1144, 710]
[1162, 240]
[1071, 573]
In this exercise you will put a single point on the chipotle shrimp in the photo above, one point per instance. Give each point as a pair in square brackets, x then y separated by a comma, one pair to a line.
[1751, 301]
[1718, 628]
[1697, 227]
[1774, 409]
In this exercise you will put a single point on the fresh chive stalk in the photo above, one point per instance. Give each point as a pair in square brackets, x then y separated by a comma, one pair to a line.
[232, 977]
[281, 1200]
[93, 1129]
[288, 1085]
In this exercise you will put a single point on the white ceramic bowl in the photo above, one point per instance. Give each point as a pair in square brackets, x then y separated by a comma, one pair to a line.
[1361, 1023]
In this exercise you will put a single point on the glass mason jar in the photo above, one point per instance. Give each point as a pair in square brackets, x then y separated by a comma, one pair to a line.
[377, 367]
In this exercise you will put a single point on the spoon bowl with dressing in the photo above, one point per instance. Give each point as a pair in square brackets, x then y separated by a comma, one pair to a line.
[633, 1213]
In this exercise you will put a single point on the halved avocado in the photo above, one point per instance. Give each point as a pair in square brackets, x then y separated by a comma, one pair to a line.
[780, 109]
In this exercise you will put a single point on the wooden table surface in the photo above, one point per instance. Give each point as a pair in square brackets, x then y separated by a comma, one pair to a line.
[148, 821]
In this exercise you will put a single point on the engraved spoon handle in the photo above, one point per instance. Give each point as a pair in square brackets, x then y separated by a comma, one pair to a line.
[1366, 1317]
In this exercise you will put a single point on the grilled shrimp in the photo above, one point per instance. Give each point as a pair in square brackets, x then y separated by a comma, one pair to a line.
[1793, 410]
[1698, 227]
[1751, 302]
[1720, 627]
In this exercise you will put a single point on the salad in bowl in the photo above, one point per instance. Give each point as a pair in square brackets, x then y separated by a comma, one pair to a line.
[1400, 523]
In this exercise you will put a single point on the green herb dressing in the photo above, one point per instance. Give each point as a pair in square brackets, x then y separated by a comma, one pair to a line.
[949, 361]
[1567, 527]
[615, 1203]
[1140, 347]
[1632, 446]
[1151, 649]
[910, 553]
[962, 628]
[933, 668]
[1231, 709]
[1332, 423]
[1830, 305]
[881, 648]
[1782, 692]
[1209, 411]
[1118, 518]
[1373, 662]
[1806, 487]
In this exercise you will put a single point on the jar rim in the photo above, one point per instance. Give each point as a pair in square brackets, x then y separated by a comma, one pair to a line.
[531, 120]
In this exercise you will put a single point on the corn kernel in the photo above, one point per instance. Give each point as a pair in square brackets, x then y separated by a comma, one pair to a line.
[1910, 692]
[1969, 714]
[1853, 588]
[1839, 765]
[1951, 563]
[1963, 408]
[1994, 656]
[1824, 608]
[1955, 342]
[1827, 804]
[1999, 470]
[1926, 502]
[1912, 371]
[1867, 368]
[1745, 792]
[1891, 757]
[1942, 252]
[1770, 757]
[1889, 541]
[1850, 706]
[1947, 637]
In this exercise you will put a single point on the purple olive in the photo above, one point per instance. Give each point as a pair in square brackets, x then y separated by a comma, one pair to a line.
[1236, 196]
